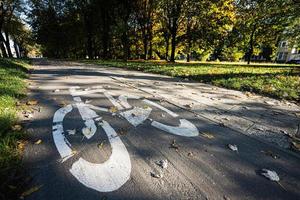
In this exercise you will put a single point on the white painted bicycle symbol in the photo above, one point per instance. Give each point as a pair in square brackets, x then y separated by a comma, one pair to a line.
[115, 172]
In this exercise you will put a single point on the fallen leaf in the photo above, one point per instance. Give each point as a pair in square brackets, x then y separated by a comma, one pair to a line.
[270, 153]
[295, 145]
[271, 175]
[113, 109]
[208, 135]
[190, 154]
[12, 187]
[155, 175]
[190, 105]
[21, 144]
[101, 144]
[38, 141]
[270, 103]
[245, 107]
[71, 132]
[233, 147]
[30, 191]
[32, 102]
[16, 127]
[88, 101]
[163, 163]
[86, 131]
[122, 131]
[248, 94]
[174, 145]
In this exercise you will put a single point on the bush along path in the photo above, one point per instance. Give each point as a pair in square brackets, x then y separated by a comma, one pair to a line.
[12, 137]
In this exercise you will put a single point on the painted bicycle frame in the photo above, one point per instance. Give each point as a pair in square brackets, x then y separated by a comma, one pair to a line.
[115, 172]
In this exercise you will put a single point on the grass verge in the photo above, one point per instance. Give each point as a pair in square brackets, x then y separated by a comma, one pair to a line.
[12, 88]
[274, 80]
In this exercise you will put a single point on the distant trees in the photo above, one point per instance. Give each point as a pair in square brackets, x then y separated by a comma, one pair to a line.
[159, 29]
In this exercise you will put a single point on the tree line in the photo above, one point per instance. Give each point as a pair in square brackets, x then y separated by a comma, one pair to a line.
[161, 29]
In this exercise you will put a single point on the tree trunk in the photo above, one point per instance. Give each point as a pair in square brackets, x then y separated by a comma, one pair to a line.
[3, 50]
[2, 46]
[250, 51]
[7, 44]
[188, 33]
[150, 52]
[167, 47]
[145, 43]
[173, 46]
[17, 50]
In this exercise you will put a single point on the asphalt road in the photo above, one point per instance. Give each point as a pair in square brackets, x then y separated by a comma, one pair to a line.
[104, 130]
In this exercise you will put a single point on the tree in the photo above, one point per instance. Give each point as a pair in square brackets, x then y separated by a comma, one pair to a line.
[259, 22]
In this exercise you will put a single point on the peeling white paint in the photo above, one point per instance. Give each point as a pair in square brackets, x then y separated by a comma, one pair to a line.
[123, 100]
[113, 101]
[88, 116]
[110, 175]
[160, 107]
[185, 128]
[60, 140]
[115, 172]
[136, 115]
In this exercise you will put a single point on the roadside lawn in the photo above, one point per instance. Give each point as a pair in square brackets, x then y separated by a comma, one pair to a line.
[274, 80]
[12, 88]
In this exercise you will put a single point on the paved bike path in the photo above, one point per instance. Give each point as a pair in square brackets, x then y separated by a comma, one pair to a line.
[200, 167]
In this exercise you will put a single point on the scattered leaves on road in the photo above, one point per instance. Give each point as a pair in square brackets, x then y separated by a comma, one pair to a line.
[30, 191]
[271, 175]
[38, 141]
[233, 147]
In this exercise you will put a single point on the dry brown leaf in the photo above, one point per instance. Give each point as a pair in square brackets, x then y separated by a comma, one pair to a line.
[248, 94]
[32, 102]
[30, 191]
[21, 144]
[16, 127]
[113, 109]
[38, 141]
[295, 145]
[208, 135]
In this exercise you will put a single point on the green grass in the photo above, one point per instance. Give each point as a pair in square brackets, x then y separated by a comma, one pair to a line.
[12, 88]
[275, 80]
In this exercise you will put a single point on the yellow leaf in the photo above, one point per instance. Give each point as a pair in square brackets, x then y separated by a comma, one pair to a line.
[30, 191]
[16, 127]
[113, 109]
[208, 135]
[32, 102]
[38, 142]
